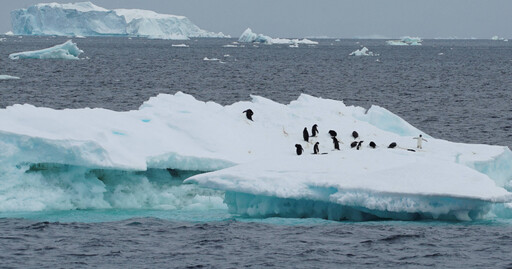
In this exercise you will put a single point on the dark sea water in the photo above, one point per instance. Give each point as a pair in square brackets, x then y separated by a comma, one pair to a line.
[459, 90]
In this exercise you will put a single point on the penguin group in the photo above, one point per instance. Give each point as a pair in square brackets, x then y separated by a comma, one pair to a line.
[356, 144]
[333, 134]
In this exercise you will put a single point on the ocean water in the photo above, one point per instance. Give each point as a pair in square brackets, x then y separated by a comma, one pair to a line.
[459, 90]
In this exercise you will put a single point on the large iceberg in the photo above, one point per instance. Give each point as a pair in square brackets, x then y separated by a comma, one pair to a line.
[249, 37]
[67, 51]
[252, 164]
[87, 19]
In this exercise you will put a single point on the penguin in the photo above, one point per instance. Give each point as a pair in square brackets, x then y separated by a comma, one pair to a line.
[315, 148]
[359, 145]
[299, 149]
[372, 145]
[392, 145]
[314, 130]
[332, 133]
[353, 144]
[305, 134]
[248, 114]
[336, 143]
[355, 135]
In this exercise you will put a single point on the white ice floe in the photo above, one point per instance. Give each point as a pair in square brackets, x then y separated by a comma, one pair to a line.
[405, 41]
[180, 45]
[249, 37]
[254, 162]
[66, 51]
[6, 77]
[363, 52]
[87, 19]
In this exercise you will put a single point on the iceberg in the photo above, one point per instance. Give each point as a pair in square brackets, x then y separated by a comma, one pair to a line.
[405, 41]
[249, 37]
[66, 51]
[5, 77]
[71, 158]
[87, 19]
[362, 52]
[497, 38]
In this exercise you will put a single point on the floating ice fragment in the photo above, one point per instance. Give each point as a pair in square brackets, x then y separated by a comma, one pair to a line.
[249, 37]
[6, 77]
[363, 52]
[414, 41]
[67, 51]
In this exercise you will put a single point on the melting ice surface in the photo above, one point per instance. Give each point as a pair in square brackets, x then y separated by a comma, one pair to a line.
[249, 37]
[66, 51]
[97, 158]
[87, 19]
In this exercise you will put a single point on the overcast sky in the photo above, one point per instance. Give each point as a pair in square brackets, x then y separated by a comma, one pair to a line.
[332, 18]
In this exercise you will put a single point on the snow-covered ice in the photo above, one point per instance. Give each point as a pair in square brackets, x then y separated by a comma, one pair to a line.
[363, 52]
[180, 45]
[254, 162]
[405, 41]
[87, 19]
[6, 77]
[67, 51]
[249, 37]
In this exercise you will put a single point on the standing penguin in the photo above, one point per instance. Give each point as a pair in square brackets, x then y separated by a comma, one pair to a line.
[248, 114]
[420, 141]
[336, 143]
[372, 145]
[355, 135]
[315, 148]
[299, 149]
[359, 145]
[314, 130]
[305, 134]
[333, 133]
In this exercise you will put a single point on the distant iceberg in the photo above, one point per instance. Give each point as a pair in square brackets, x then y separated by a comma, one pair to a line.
[260, 175]
[66, 51]
[363, 52]
[6, 77]
[87, 19]
[497, 38]
[249, 37]
[405, 41]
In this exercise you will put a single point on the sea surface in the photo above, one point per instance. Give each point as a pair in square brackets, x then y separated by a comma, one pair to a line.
[459, 90]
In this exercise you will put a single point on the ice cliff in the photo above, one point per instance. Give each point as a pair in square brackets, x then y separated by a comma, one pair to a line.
[87, 19]
[81, 153]
[249, 37]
